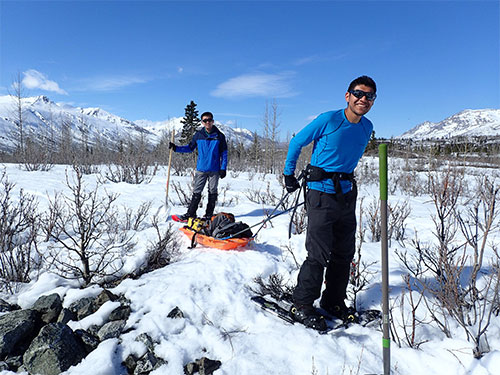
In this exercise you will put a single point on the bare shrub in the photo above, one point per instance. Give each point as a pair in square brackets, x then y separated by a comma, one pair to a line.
[37, 155]
[299, 220]
[184, 193]
[134, 163]
[234, 174]
[163, 250]
[461, 287]
[397, 213]
[86, 166]
[251, 174]
[89, 244]
[289, 250]
[19, 223]
[133, 220]
[367, 172]
[360, 273]
[409, 182]
[275, 286]
[225, 201]
[374, 220]
[407, 304]
[267, 197]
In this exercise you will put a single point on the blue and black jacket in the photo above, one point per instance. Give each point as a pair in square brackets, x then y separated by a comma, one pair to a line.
[212, 150]
[338, 146]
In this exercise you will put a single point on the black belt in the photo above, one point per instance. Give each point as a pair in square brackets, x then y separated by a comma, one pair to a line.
[313, 173]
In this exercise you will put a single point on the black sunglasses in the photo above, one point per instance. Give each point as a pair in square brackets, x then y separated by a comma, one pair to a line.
[371, 96]
[205, 120]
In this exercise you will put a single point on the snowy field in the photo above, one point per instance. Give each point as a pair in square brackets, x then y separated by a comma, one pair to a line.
[211, 287]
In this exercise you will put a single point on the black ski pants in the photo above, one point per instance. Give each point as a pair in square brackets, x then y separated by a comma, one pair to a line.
[330, 244]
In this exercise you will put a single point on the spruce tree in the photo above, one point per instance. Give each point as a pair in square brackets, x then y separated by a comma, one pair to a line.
[190, 122]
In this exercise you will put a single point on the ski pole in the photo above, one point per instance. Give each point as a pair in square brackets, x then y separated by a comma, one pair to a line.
[302, 188]
[169, 165]
[269, 217]
[386, 341]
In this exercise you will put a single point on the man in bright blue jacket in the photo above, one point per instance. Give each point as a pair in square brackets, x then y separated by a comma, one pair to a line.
[340, 138]
[211, 164]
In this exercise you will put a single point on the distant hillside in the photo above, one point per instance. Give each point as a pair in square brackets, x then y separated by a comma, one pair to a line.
[43, 116]
[471, 122]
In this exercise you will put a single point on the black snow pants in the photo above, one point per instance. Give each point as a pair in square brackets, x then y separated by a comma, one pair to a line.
[330, 244]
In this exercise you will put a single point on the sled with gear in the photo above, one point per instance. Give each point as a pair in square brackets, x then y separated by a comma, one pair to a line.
[221, 231]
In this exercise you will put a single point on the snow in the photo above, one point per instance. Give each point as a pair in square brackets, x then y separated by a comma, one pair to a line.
[470, 122]
[40, 112]
[211, 287]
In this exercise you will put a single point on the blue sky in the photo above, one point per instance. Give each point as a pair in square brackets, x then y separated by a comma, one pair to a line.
[149, 59]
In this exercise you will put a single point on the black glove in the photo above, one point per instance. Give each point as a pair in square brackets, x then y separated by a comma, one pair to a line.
[291, 183]
[172, 146]
[222, 173]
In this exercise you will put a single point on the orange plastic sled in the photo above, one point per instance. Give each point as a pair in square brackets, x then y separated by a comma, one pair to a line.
[229, 244]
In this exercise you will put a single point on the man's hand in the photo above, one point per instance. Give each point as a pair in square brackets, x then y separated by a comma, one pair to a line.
[222, 173]
[291, 183]
[172, 146]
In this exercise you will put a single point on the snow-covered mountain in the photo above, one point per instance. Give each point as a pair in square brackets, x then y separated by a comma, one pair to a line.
[158, 128]
[470, 122]
[42, 116]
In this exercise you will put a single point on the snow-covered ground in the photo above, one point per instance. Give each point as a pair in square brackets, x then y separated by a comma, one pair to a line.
[211, 288]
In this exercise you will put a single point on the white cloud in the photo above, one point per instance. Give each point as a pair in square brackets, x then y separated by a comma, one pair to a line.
[258, 84]
[33, 79]
[111, 83]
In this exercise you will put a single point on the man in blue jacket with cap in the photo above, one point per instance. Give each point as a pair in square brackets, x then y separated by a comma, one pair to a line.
[211, 164]
[340, 138]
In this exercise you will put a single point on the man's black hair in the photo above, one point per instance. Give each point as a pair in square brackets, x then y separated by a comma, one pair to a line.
[209, 114]
[363, 80]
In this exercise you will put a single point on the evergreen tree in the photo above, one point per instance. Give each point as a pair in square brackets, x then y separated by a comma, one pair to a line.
[190, 122]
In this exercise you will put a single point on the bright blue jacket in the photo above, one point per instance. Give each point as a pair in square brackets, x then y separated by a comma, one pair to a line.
[212, 150]
[338, 146]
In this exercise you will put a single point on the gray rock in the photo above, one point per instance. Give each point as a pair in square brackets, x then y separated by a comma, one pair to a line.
[4, 366]
[175, 313]
[130, 363]
[104, 297]
[54, 350]
[203, 366]
[17, 329]
[65, 316]
[5, 306]
[147, 363]
[120, 313]
[90, 341]
[111, 330]
[83, 307]
[14, 362]
[94, 329]
[49, 307]
[146, 340]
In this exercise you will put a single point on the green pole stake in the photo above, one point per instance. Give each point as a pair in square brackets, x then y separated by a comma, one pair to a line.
[386, 341]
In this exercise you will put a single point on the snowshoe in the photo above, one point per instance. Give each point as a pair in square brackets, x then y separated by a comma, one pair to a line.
[308, 316]
[341, 311]
[282, 308]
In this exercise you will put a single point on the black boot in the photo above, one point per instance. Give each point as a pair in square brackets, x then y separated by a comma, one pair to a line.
[308, 316]
[212, 198]
[332, 299]
[193, 206]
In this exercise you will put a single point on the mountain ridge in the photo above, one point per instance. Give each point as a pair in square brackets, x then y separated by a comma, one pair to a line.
[467, 123]
[42, 116]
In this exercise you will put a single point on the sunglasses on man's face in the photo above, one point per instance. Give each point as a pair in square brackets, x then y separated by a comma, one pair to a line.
[360, 93]
[205, 120]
